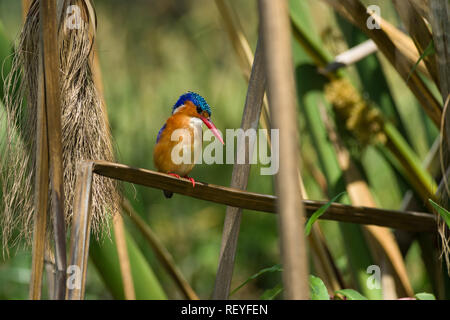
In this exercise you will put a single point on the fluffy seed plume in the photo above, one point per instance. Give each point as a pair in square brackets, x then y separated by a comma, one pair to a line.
[85, 131]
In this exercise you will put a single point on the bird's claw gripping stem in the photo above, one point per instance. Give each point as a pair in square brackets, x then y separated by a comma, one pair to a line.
[191, 180]
[174, 175]
[186, 177]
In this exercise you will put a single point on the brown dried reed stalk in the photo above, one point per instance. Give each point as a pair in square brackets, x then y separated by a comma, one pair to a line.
[85, 133]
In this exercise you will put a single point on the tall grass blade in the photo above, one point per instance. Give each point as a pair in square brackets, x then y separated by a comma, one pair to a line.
[316, 215]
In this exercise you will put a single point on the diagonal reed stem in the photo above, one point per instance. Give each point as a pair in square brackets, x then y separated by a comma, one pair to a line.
[360, 194]
[239, 179]
[245, 58]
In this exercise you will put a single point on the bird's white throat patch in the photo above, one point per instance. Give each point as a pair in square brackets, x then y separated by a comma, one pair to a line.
[196, 123]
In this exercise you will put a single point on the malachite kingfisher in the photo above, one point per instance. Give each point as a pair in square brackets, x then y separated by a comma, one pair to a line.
[188, 114]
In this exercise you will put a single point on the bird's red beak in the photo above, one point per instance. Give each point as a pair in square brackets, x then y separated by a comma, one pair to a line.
[213, 128]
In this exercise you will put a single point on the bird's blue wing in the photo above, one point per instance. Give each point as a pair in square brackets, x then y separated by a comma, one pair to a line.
[160, 132]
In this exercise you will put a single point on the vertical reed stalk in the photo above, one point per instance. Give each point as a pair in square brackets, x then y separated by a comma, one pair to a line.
[50, 55]
[124, 261]
[81, 230]
[275, 28]
[40, 193]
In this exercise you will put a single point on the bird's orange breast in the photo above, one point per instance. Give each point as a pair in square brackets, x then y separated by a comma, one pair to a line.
[162, 154]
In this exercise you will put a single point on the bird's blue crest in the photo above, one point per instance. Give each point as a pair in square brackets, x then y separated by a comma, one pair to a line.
[196, 99]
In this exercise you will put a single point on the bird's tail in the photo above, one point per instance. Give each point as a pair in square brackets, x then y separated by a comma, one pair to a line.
[168, 194]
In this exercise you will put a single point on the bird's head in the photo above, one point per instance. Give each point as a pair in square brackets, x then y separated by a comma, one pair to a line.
[194, 105]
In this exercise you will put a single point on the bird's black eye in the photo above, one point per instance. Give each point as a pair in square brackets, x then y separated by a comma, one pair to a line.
[199, 110]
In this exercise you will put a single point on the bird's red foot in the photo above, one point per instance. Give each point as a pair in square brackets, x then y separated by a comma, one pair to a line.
[191, 180]
[174, 175]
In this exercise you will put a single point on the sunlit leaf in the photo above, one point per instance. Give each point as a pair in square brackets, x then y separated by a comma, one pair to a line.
[318, 290]
[425, 296]
[351, 294]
